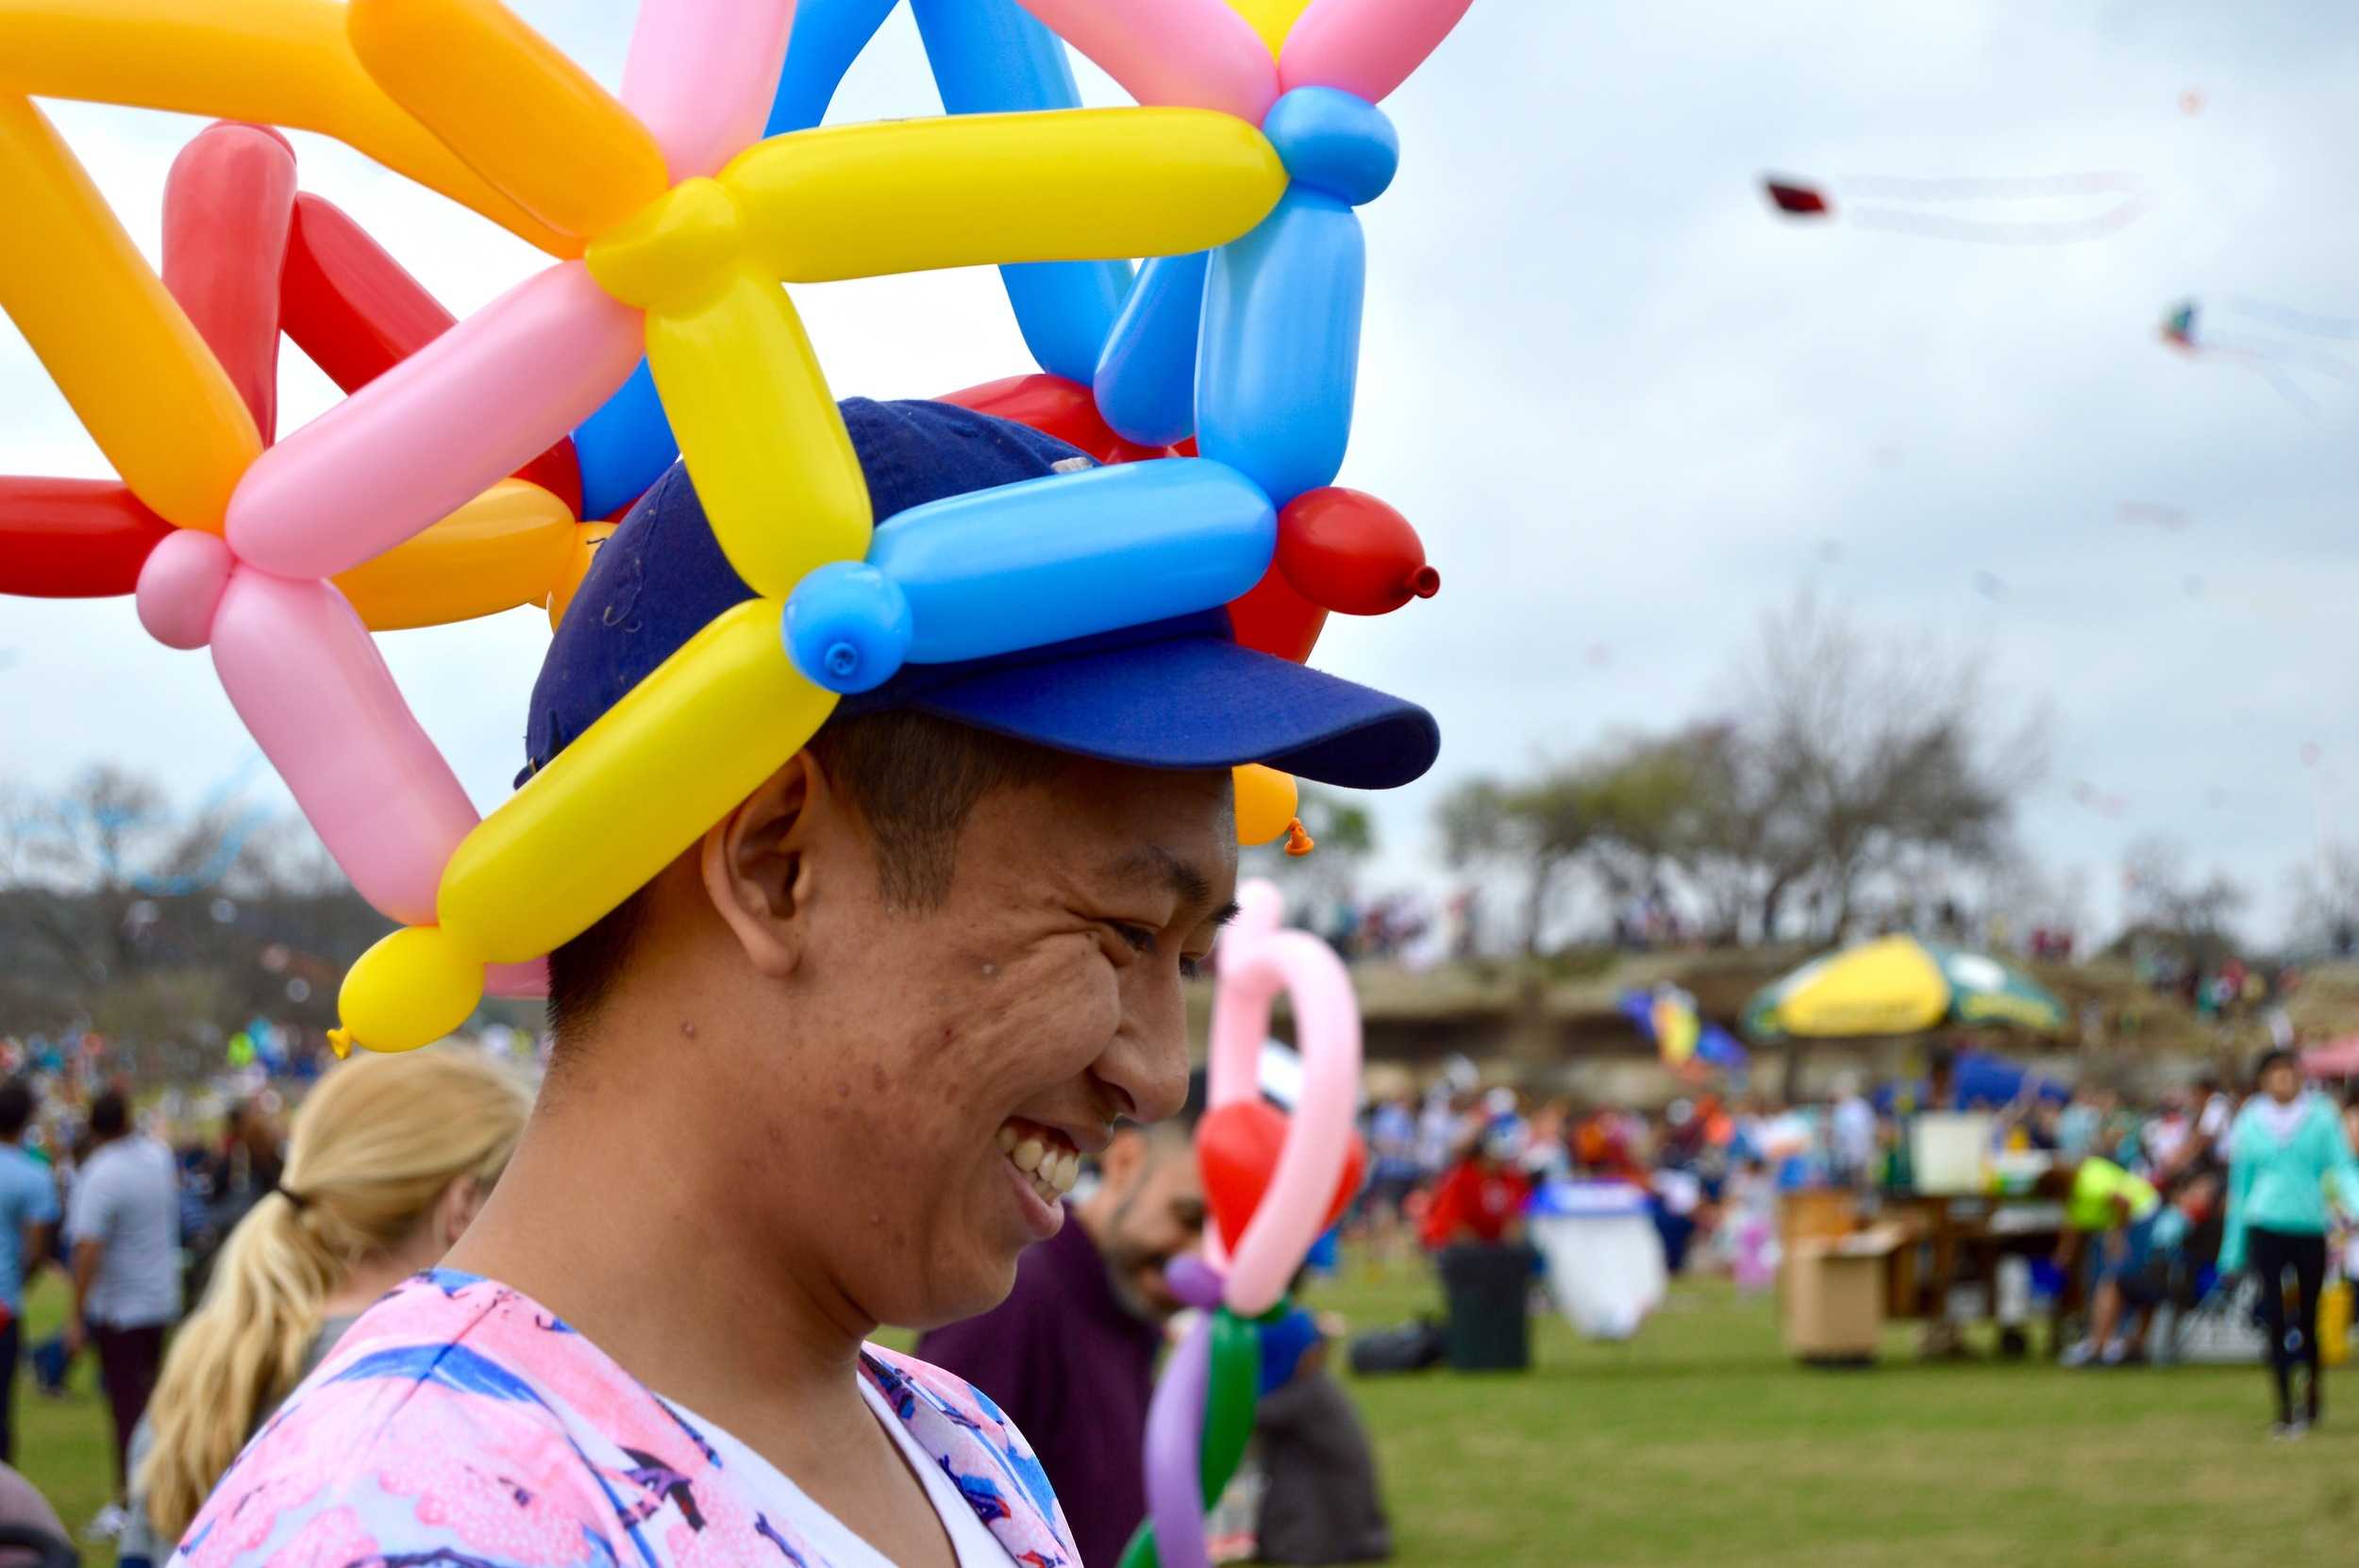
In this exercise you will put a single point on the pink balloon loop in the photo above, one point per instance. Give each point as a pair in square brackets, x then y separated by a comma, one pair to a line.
[1197, 54]
[527, 981]
[1364, 46]
[180, 587]
[306, 679]
[436, 430]
[1256, 960]
[701, 74]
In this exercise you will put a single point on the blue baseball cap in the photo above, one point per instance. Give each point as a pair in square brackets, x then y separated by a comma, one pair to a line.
[1175, 694]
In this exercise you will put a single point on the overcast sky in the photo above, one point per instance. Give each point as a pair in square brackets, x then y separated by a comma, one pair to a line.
[1629, 409]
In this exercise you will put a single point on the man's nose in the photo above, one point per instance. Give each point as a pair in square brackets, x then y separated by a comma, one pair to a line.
[1149, 1061]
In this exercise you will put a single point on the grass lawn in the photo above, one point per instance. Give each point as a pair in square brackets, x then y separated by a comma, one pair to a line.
[1700, 1443]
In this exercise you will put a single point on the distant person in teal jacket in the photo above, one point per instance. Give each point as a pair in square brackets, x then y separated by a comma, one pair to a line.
[2284, 1152]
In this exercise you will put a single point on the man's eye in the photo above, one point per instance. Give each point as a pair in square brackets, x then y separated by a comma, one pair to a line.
[1138, 936]
[1191, 966]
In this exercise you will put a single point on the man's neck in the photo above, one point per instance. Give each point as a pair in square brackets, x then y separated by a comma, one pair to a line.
[605, 1217]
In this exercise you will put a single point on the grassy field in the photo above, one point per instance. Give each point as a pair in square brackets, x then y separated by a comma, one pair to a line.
[1700, 1443]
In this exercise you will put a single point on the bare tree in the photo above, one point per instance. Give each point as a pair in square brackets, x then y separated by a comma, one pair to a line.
[2326, 898]
[2161, 896]
[1867, 751]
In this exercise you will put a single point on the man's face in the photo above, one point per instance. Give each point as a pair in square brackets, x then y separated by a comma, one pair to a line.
[1150, 1211]
[1008, 1025]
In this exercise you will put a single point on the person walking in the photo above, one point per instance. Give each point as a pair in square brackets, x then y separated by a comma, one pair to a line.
[2285, 1148]
[28, 1207]
[123, 1216]
[390, 1159]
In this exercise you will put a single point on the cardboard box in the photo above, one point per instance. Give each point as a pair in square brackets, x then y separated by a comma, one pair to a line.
[1834, 1297]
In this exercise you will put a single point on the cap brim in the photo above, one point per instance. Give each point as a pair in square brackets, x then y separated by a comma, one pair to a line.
[1197, 702]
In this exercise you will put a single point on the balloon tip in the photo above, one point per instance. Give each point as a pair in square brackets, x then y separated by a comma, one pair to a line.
[1299, 842]
[1425, 583]
[340, 1041]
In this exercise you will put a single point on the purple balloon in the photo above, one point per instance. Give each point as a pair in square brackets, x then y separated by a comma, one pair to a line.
[1175, 1438]
[1194, 1281]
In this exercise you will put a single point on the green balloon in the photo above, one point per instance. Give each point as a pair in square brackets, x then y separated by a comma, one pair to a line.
[1234, 1388]
[1231, 1391]
[1140, 1553]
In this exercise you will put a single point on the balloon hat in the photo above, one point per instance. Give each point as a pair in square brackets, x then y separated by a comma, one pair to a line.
[457, 477]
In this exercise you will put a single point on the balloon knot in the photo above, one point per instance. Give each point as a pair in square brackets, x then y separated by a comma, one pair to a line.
[1299, 842]
[340, 1041]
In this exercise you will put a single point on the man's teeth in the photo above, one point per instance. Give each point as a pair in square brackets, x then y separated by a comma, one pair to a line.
[1051, 1163]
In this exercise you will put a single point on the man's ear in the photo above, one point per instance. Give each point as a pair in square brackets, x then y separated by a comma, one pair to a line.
[757, 869]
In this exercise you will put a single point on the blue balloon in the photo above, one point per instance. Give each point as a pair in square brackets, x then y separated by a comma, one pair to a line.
[1281, 346]
[828, 35]
[992, 57]
[1146, 378]
[1334, 142]
[1073, 555]
[847, 627]
[624, 447]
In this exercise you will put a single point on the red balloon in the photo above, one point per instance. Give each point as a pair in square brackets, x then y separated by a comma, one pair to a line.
[1345, 550]
[1236, 1152]
[346, 303]
[74, 539]
[228, 205]
[1054, 407]
[1271, 616]
[353, 308]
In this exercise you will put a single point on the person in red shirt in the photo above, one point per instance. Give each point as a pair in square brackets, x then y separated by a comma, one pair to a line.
[1482, 1196]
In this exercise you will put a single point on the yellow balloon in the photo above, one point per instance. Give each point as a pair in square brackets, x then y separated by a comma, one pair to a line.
[410, 989]
[119, 346]
[1272, 19]
[509, 547]
[1267, 802]
[587, 539]
[513, 107]
[276, 62]
[905, 195]
[761, 436]
[633, 791]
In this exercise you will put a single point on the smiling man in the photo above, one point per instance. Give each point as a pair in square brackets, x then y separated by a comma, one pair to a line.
[835, 1066]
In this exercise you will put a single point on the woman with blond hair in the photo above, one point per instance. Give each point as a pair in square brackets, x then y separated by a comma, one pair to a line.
[390, 1159]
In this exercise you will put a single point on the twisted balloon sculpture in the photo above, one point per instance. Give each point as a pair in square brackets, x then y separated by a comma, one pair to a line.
[1274, 1182]
[671, 225]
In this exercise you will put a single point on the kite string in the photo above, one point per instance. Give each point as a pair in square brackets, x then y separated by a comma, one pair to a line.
[2003, 188]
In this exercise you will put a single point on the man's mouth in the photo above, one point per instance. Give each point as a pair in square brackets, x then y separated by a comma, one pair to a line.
[1043, 1156]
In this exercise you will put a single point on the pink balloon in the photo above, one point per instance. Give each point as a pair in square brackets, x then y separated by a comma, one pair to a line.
[1193, 53]
[180, 587]
[517, 981]
[1258, 959]
[307, 680]
[701, 74]
[440, 427]
[1364, 46]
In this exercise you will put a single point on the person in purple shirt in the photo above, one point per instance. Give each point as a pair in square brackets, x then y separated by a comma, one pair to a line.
[1070, 1355]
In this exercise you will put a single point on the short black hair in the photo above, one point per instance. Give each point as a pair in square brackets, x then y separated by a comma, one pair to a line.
[16, 1110]
[915, 779]
[109, 1115]
[2274, 1056]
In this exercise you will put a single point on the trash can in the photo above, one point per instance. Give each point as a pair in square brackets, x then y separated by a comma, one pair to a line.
[1488, 1289]
[1605, 1253]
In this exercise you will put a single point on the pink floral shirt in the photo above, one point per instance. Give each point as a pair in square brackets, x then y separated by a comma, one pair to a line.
[460, 1424]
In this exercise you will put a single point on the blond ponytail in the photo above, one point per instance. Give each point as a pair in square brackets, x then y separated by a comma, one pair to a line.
[373, 1150]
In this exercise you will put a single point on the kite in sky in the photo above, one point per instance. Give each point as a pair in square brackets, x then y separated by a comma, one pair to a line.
[2040, 209]
[2188, 327]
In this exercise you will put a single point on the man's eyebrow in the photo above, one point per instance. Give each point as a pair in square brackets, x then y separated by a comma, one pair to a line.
[1153, 862]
